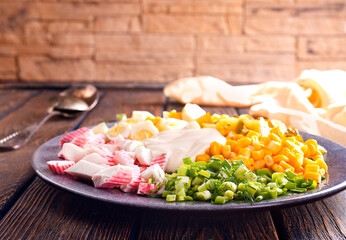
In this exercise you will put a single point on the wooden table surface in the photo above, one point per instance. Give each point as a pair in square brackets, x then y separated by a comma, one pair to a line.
[33, 209]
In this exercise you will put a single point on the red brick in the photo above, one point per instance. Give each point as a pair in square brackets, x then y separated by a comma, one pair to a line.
[44, 69]
[249, 73]
[35, 32]
[8, 76]
[10, 37]
[148, 42]
[246, 59]
[69, 26]
[118, 24]
[217, 43]
[193, 7]
[140, 73]
[322, 48]
[7, 50]
[80, 39]
[320, 65]
[161, 23]
[7, 64]
[146, 58]
[294, 26]
[83, 11]
[74, 52]
[302, 10]
[270, 44]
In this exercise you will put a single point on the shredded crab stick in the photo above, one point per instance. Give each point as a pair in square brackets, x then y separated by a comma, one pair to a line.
[59, 167]
[113, 177]
[214, 158]
[72, 135]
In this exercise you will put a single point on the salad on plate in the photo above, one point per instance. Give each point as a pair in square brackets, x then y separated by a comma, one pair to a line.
[193, 156]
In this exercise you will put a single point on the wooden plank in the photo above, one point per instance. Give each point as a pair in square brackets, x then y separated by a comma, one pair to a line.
[44, 212]
[11, 99]
[324, 219]
[189, 226]
[15, 166]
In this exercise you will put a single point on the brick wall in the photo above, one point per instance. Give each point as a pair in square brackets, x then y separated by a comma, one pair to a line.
[161, 40]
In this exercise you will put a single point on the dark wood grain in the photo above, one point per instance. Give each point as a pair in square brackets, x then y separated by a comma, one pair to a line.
[12, 99]
[15, 166]
[43, 212]
[189, 226]
[324, 219]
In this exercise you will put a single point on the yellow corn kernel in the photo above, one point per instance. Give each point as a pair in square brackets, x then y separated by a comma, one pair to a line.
[289, 144]
[322, 171]
[248, 162]
[219, 157]
[245, 152]
[259, 164]
[267, 152]
[244, 142]
[305, 149]
[297, 162]
[274, 137]
[257, 145]
[274, 147]
[269, 161]
[322, 164]
[279, 158]
[288, 153]
[252, 133]
[215, 148]
[286, 166]
[251, 168]
[266, 140]
[254, 139]
[300, 174]
[313, 175]
[276, 130]
[233, 155]
[175, 114]
[309, 162]
[317, 155]
[234, 145]
[312, 168]
[202, 158]
[207, 151]
[257, 155]
[299, 170]
[226, 151]
[277, 168]
[312, 145]
[237, 136]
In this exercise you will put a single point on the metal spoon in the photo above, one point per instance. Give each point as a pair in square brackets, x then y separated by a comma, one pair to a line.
[68, 103]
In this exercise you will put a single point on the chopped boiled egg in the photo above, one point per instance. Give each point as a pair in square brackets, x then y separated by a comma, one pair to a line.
[138, 116]
[100, 128]
[143, 130]
[192, 112]
[122, 128]
[171, 123]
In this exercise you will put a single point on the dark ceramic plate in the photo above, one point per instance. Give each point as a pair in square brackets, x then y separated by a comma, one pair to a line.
[336, 182]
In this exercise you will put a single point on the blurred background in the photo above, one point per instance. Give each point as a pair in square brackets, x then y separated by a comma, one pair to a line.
[240, 41]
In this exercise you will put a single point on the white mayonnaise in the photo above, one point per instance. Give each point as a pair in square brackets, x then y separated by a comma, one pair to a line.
[182, 143]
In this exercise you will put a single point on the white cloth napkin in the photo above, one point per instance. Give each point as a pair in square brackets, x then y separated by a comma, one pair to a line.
[314, 103]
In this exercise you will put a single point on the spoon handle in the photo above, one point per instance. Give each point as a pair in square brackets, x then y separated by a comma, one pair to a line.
[19, 138]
